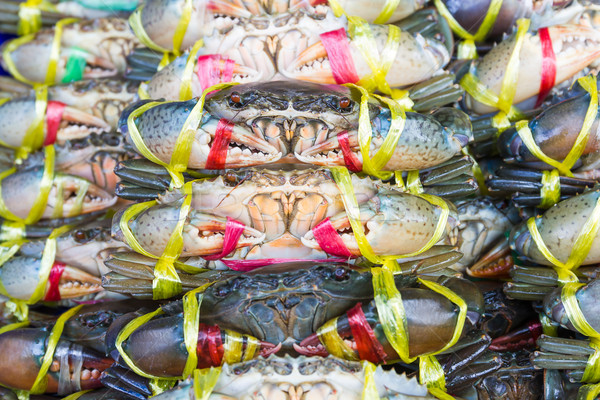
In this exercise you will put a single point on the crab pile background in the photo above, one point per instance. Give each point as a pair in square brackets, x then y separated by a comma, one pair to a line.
[307, 199]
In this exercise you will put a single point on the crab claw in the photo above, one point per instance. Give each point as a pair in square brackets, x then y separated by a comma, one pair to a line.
[160, 126]
[495, 263]
[575, 47]
[16, 116]
[73, 368]
[69, 194]
[39, 49]
[203, 234]
[426, 141]
[523, 337]
[20, 276]
[168, 356]
[396, 223]
[417, 59]
[166, 83]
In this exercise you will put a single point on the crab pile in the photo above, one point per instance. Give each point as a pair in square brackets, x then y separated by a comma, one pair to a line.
[300, 200]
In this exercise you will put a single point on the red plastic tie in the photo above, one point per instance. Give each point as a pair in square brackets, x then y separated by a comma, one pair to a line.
[548, 66]
[338, 51]
[213, 69]
[250, 265]
[53, 293]
[54, 113]
[350, 158]
[367, 345]
[217, 156]
[233, 231]
[329, 240]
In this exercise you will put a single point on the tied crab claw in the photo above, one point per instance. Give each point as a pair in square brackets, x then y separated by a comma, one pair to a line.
[72, 123]
[101, 43]
[160, 126]
[395, 215]
[168, 356]
[69, 195]
[203, 234]
[73, 367]
[20, 274]
[436, 316]
[575, 47]
[420, 53]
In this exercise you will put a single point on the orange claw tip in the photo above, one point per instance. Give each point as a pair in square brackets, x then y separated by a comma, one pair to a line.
[495, 264]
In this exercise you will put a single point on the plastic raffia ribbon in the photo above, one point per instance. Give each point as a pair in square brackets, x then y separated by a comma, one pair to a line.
[550, 191]
[41, 200]
[386, 11]
[580, 323]
[185, 90]
[205, 381]
[564, 167]
[369, 388]
[52, 61]
[373, 166]
[467, 49]
[166, 281]
[183, 146]
[39, 385]
[30, 16]
[580, 249]
[135, 21]
[503, 102]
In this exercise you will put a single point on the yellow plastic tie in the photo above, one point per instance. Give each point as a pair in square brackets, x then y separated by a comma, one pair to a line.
[12, 231]
[39, 385]
[580, 249]
[329, 336]
[37, 210]
[12, 327]
[550, 188]
[191, 325]
[185, 90]
[504, 100]
[564, 167]
[467, 49]
[131, 327]
[76, 395]
[183, 146]
[369, 388]
[549, 327]
[135, 21]
[205, 381]
[55, 49]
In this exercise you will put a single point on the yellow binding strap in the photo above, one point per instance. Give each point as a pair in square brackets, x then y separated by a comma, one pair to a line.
[39, 385]
[575, 315]
[564, 167]
[580, 249]
[185, 90]
[467, 49]
[76, 395]
[472, 85]
[369, 388]
[39, 206]
[550, 191]
[329, 336]
[205, 381]
[183, 146]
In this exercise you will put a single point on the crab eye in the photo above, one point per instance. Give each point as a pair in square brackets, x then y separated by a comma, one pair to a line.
[340, 274]
[344, 102]
[235, 100]
[80, 235]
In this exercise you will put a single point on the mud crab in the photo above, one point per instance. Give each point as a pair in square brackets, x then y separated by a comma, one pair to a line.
[303, 377]
[281, 210]
[291, 44]
[271, 120]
